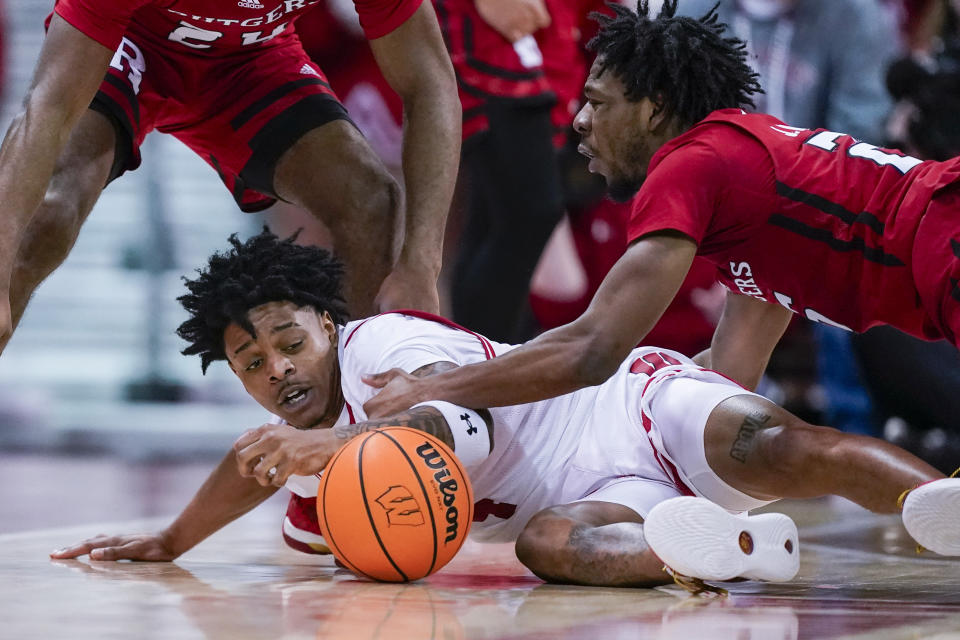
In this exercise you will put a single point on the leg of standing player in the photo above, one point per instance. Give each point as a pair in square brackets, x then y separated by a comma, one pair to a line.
[79, 177]
[332, 172]
[515, 204]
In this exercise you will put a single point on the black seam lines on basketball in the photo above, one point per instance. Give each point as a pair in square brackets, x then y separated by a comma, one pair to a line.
[426, 497]
[328, 534]
[463, 474]
[366, 505]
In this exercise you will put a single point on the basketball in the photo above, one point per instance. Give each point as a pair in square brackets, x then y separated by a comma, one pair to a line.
[394, 504]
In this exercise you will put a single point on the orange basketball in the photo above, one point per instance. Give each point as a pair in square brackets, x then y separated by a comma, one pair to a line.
[394, 504]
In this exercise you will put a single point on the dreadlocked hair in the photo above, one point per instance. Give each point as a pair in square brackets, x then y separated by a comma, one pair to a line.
[263, 269]
[685, 62]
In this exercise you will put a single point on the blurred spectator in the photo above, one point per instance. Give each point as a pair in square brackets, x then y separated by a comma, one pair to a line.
[509, 167]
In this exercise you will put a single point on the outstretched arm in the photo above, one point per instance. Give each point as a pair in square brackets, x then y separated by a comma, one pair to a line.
[583, 353]
[224, 497]
[70, 68]
[415, 62]
[748, 331]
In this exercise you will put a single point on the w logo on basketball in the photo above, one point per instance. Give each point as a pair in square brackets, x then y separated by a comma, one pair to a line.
[401, 507]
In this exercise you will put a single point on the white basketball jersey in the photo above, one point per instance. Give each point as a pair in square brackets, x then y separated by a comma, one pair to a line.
[545, 453]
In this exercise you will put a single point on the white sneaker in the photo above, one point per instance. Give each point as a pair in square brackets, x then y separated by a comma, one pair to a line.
[697, 538]
[931, 514]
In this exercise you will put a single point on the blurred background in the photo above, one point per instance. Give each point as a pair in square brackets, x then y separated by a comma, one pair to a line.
[101, 418]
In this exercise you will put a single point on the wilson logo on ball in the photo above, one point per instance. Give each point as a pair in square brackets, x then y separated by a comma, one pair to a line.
[401, 507]
[448, 487]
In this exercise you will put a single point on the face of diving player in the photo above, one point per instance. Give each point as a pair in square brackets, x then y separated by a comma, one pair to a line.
[290, 365]
[618, 135]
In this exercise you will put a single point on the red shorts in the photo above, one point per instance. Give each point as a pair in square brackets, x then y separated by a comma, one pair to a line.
[239, 113]
[488, 66]
[936, 262]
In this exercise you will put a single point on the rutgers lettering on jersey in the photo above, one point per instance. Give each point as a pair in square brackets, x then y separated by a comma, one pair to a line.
[190, 34]
[742, 276]
[210, 27]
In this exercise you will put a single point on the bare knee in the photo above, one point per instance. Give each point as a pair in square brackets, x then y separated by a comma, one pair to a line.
[54, 229]
[540, 545]
[371, 201]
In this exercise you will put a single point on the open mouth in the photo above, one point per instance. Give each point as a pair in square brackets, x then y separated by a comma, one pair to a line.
[584, 151]
[293, 398]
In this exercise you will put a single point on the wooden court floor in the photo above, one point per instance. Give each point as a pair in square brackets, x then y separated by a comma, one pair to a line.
[859, 578]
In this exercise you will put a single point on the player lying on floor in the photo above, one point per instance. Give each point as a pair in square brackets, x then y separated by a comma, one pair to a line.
[571, 479]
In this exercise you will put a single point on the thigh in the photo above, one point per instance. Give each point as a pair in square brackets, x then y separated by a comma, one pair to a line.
[331, 171]
[683, 412]
[759, 448]
[245, 115]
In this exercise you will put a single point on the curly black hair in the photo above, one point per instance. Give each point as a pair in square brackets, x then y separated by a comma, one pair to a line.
[263, 269]
[685, 62]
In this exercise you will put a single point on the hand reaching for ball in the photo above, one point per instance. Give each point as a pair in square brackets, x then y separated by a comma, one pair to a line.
[272, 453]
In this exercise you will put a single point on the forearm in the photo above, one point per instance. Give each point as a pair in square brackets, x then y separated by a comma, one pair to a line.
[556, 362]
[431, 154]
[224, 497]
[748, 331]
[426, 419]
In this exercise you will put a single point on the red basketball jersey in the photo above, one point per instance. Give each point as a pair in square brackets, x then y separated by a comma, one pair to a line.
[214, 27]
[814, 220]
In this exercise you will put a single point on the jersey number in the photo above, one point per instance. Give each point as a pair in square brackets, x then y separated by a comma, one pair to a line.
[827, 140]
[197, 37]
[487, 507]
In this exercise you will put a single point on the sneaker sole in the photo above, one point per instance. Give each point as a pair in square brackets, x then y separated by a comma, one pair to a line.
[697, 538]
[931, 514]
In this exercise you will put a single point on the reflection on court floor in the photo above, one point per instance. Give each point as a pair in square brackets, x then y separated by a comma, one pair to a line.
[860, 578]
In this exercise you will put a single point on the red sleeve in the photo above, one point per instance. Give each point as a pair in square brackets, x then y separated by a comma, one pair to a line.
[680, 194]
[104, 21]
[380, 17]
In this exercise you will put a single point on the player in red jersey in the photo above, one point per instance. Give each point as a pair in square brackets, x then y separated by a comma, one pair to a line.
[230, 80]
[796, 221]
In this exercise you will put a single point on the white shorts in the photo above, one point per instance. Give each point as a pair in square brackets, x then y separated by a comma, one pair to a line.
[675, 408]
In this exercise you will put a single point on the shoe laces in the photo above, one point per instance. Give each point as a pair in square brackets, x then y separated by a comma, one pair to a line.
[695, 586]
[903, 498]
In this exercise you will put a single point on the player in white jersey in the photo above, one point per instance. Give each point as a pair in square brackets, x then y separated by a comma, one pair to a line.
[601, 486]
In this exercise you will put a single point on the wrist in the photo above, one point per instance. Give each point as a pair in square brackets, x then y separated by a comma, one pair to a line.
[170, 541]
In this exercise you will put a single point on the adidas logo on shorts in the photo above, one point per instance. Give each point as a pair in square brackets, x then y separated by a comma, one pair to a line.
[250, 4]
[307, 70]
